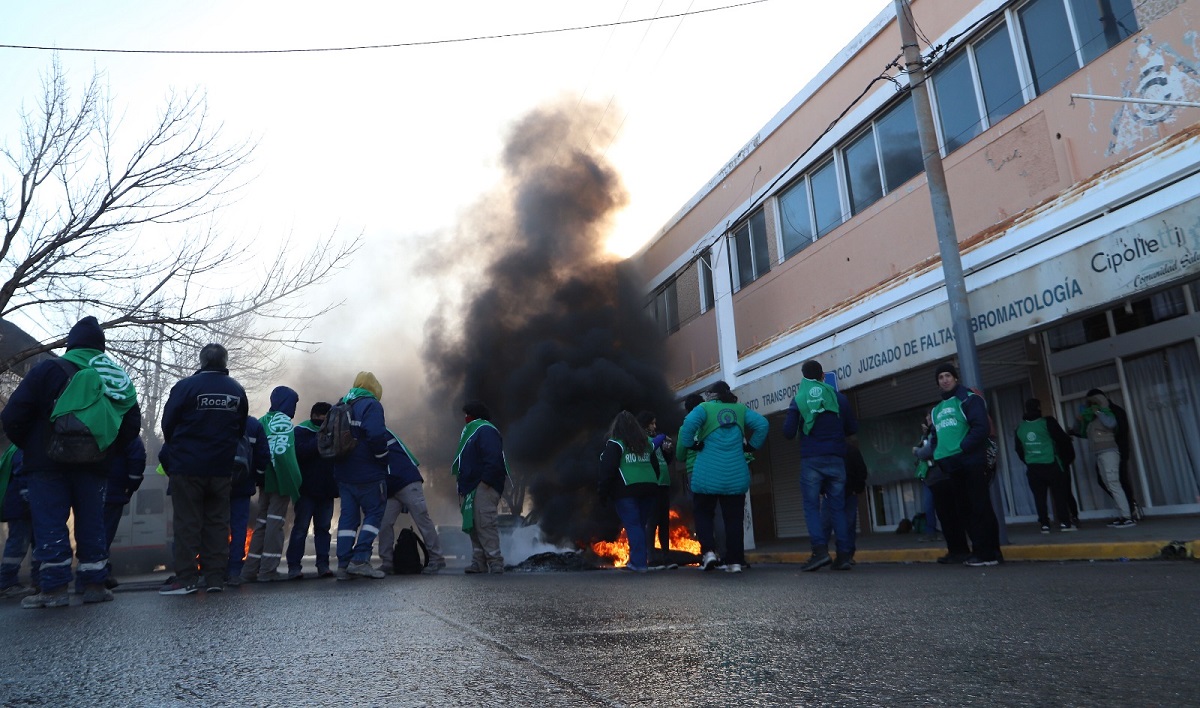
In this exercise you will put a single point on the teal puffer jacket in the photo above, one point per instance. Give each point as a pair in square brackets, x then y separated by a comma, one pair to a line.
[721, 466]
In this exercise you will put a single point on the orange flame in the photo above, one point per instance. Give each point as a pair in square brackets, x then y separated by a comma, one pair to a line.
[618, 551]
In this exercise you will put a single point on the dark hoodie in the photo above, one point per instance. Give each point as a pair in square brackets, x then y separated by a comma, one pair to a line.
[202, 421]
[26, 418]
[284, 400]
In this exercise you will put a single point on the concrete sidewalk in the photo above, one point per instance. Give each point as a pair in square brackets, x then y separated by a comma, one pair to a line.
[1156, 537]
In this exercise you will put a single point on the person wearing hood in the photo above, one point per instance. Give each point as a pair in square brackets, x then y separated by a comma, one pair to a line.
[959, 442]
[1100, 425]
[361, 479]
[203, 420]
[318, 491]
[1042, 445]
[718, 431]
[87, 384]
[281, 487]
[823, 417]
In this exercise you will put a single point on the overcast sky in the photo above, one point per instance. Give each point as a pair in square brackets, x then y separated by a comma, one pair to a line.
[397, 143]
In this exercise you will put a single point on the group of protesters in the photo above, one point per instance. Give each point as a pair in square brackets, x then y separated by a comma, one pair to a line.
[74, 423]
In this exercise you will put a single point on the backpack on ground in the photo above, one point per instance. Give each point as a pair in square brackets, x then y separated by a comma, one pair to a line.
[410, 555]
[71, 442]
[336, 436]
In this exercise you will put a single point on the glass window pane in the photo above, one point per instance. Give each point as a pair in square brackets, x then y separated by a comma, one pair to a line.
[758, 240]
[794, 218]
[862, 172]
[958, 110]
[1081, 331]
[707, 296]
[1102, 24]
[1159, 307]
[825, 198]
[1048, 43]
[745, 261]
[900, 144]
[998, 74]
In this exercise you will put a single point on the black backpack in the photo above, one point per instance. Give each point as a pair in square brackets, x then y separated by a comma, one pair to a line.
[411, 555]
[243, 458]
[336, 436]
[71, 442]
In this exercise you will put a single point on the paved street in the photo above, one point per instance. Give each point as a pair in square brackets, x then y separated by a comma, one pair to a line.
[1021, 634]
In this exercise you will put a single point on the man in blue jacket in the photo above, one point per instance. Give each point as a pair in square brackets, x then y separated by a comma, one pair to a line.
[360, 476]
[239, 499]
[405, 492]
[959, 440]
[58, 490]
[824, 419]
[204, 417]
[481, 470]
[124, 478]
[318, 490]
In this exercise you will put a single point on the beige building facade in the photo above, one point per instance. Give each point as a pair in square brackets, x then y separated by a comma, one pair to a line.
[1078, 221]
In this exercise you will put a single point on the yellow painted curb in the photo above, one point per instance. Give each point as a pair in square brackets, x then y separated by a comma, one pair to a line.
[1133, 550]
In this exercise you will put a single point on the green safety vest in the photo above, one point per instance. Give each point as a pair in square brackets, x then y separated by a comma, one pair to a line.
[721, 415]
[637, 469]
[1035, 439]
[951, 425]
[812, 399]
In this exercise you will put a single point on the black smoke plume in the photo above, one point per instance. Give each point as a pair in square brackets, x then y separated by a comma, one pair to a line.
[551, 332]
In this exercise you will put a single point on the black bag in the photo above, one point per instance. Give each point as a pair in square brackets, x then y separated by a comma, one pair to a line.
[336, 436]
[411, 555]
[71, 442]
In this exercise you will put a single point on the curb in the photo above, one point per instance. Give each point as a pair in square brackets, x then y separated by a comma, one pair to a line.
[1129, 550]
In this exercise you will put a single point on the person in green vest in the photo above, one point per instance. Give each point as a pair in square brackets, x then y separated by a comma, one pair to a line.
[481, 470]
[629, 474]
[1040, 442]
[718, 431]
[659, 522]
[960, 438]
[281, 488]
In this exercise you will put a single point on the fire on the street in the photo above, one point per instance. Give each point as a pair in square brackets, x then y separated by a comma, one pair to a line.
[618, 551]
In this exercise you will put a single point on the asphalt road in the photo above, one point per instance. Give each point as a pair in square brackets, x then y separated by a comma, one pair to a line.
[1022, 634]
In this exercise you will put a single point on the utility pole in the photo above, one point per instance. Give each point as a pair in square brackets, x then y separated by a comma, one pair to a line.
[943, 217]
[943, 224]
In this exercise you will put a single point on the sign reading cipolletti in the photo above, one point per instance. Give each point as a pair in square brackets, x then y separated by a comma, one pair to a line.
[1138, 257]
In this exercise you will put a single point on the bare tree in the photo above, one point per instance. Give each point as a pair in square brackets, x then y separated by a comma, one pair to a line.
[95, 223]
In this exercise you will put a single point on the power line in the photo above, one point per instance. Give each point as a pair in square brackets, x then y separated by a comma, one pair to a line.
[397, 45]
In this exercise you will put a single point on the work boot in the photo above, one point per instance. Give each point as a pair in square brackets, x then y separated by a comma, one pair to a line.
[474, 569]
[47, 598]
[843, 562]
[819, 559]
[96, 592]
[496, 568]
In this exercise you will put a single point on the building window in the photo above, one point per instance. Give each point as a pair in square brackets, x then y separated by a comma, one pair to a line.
[1159, 307]
[1063, 35]
[795, 218]
[998, 78]
[826, 203]
[1078, 332]
[899, 144]
[665, 308]
[863, 183]
[707, 297]
[958, 106]
[750, 249]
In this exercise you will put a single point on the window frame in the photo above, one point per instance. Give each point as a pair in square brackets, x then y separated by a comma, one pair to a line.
[757, 269]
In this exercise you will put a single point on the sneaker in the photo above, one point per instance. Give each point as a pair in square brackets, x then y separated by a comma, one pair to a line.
[976, 562]
[178, 588]
[1045, 528]
[709, 561]
[325, 573]
[1064, 528]
[733, 568]
[1122, 523]
[953, 558]
[365, 570]
[13, 592]
[58, 598]
[842, 563]
[434, 567]
[819, 559]
[296, 575]
[342, 574]
[234, 581]
[96, 593]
